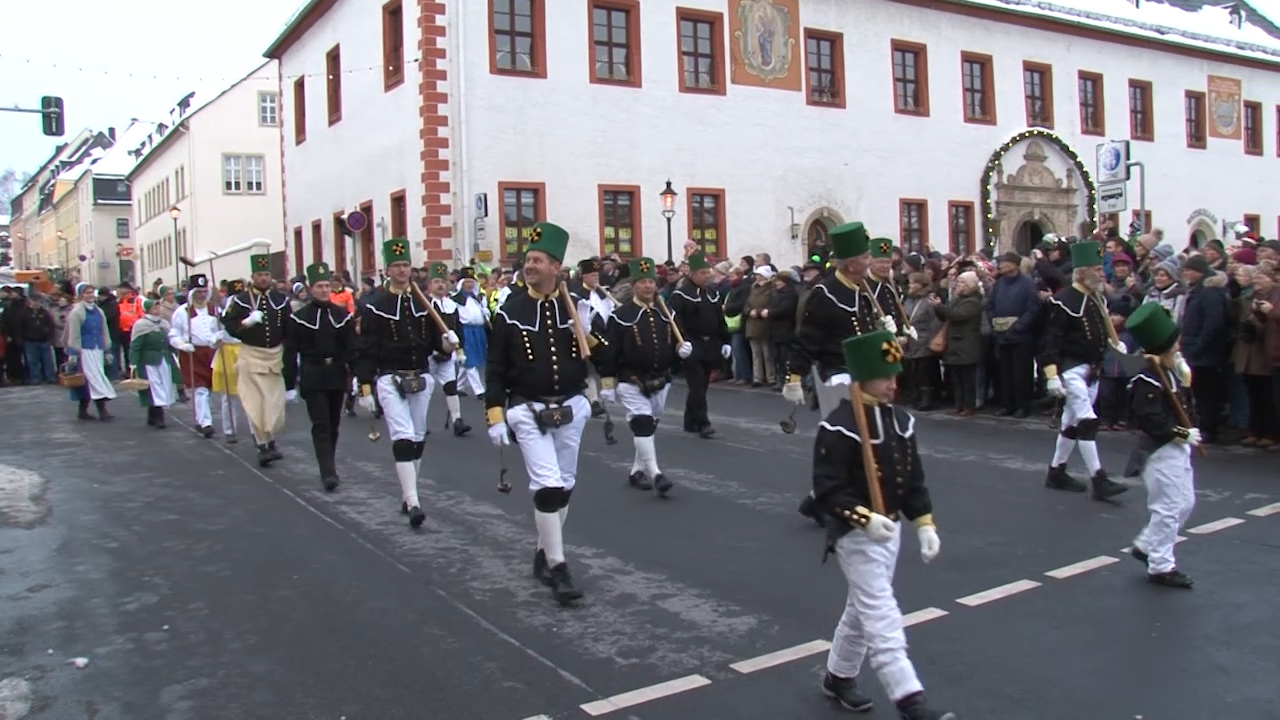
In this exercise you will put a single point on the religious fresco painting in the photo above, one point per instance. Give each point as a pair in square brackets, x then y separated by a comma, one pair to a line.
[1224, 95]
[765, 44]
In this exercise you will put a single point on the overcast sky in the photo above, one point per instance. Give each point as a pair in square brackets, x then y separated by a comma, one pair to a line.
[109, 65]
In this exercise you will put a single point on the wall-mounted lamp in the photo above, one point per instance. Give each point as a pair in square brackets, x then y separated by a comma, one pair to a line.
[795, 227]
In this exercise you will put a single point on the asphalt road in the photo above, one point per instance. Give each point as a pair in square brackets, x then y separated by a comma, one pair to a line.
[198, 587]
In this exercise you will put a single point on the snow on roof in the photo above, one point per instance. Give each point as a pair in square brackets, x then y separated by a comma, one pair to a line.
[1207, 27]
[4, 219]
[117, 160]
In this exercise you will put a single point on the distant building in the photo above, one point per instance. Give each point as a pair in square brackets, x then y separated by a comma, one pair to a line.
[942, 124]
[218, 170]
[32, 223]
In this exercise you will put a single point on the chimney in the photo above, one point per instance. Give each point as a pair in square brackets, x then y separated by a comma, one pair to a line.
[1236, 14]
[111, 133]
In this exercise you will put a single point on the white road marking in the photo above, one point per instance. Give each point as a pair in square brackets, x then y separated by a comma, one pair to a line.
[644, 695]
[923, 616]
[1083, 566]
[539, 717]
[1265, 510]
[997, 593]
[779, 657]
[1215, 526]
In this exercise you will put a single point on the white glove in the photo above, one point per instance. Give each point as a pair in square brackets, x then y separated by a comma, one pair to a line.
[291, 396]
[368, 403]
[253, 318]
[792, 392]
[887, 323]
[187, 348]
[1181, 367]
[1119, 347]
[451, 337]
[1193, 437]
[1054, 387]
[685, 350]
[838, 379]
[355, 387]
[911, 333]
[609, 396]
[726, 351]
[880, 528]
[498, 434]
[930, 545]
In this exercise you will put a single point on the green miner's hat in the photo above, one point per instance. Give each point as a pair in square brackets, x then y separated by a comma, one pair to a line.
[874, 355]
[642, 268]
[882, 248]
[551, 240]
[259, 263]
[235, 287]
[1086, 254]
[319, 272]
[395, 250]
[438, 270]
[1153, 327]
[698, 261]
[850, 240]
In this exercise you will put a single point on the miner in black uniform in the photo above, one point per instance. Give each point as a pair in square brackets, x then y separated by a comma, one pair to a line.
[644, 349]
[444, 366]
[397, 336]
[322, 340]
[257, 319]
[881, 284]
[1075, 340]
[838, 307]
[535, 380]
[595, 305]
[699, 311]
[865, 538]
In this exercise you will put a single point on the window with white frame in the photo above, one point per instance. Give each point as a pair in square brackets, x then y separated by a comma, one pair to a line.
[243, 174]
[268, 109]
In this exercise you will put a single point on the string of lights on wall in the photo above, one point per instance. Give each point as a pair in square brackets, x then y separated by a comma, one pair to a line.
[988, 176]
[31, 64]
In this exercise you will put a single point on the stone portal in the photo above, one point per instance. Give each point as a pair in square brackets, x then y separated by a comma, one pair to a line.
[1035, 200]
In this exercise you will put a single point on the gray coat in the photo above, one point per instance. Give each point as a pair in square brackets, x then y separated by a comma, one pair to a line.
[964, 335]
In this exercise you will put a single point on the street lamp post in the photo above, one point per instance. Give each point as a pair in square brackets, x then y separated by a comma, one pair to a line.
[174, 212]
[63, 260]
[668, 212]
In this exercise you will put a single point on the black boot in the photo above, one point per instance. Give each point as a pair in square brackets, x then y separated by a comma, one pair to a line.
[663, 485]
[845, 691]
[1058, 479]
[160, 419]
[206, 431]
[460, 428]
[1104, 488]
[84, 411]
[151, 417]
[562, 588]
[707, 432]
[264, 456]
[1173, 578]
[540, 570]
[275, 454]
[926, 400]
[640, 481]
[808, 510]
[915, 707]
[330, 483]
[101, 406]
[597, 409]
[416, 517]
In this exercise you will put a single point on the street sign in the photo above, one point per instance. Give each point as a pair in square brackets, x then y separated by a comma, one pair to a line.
[1113, 162]
[481, 228]
[356, 221]
[482, 205]
[1112, 199]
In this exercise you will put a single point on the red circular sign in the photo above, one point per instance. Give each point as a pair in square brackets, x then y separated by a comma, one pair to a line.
[356, 221]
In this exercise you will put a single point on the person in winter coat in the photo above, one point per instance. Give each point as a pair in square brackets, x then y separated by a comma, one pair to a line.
[735, 307]
[923, 365]
[963, 315]
[1252, 364]
[782, 321]
[1013, 306]
[763, 367]
[154, 362]
[1206, 335]
[35, 326]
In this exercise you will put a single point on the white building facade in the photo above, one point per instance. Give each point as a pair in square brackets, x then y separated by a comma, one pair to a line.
[210, 182]
[942, 125]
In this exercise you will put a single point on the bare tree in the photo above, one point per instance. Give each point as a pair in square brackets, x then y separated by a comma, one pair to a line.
[10, 181]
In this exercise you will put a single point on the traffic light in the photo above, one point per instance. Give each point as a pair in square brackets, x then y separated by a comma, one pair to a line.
[53, 121]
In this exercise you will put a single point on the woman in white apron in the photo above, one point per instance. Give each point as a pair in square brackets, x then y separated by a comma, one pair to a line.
[88, 341]
[153, 361]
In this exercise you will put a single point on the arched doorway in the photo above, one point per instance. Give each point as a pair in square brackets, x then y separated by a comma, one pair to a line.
[1029, 234]
[818, 226]
[1198, 238]
[1051, 187]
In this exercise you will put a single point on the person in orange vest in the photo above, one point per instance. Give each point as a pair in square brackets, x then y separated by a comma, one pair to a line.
[130, 304]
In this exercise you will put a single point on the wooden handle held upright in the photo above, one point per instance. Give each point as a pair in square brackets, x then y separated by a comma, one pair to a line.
[1112, 335]
[868, 452]
[584, 348]
[671, 319]
[431, 308]
[1179, 412]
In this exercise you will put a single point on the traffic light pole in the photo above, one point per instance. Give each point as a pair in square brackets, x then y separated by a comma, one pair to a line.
[30, 110]
[51, 112]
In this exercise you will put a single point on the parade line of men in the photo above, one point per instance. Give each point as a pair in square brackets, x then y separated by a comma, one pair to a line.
[555, 356]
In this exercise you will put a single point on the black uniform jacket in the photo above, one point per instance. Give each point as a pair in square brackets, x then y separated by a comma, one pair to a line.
[396, 334]
[1151, 410]
[321, 338]
[643, 345]
[887, 295]
[840, 478]
[1076, 331]
[834, 311]
[270, 332]
[533, 354]
[579, 293]
[700, 314]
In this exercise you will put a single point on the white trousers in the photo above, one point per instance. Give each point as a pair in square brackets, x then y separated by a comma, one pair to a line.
[406, 416]
[473, 381]
[1171, 495]
[229, 414]
[163, 392]
[637, 405]
[1080, 396]
[831, 392]
[871, 626]
[550, 460]
[93, 365]
[442, 372]
[204, 415]
[593, 384]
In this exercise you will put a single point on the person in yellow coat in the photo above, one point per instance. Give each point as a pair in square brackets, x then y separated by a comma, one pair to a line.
[224, 369]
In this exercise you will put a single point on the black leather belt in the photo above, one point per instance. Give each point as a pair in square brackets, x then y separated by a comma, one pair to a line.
[549, 400]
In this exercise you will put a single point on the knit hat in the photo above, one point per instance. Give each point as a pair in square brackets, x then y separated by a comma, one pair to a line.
[1122, 259]
[1162, 252]
[81, 287]
[764, 271]
[1148, 241]
[1216, 245]
[915, 261]
[1199, 264]
[1170, 265]
[1245, 256]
